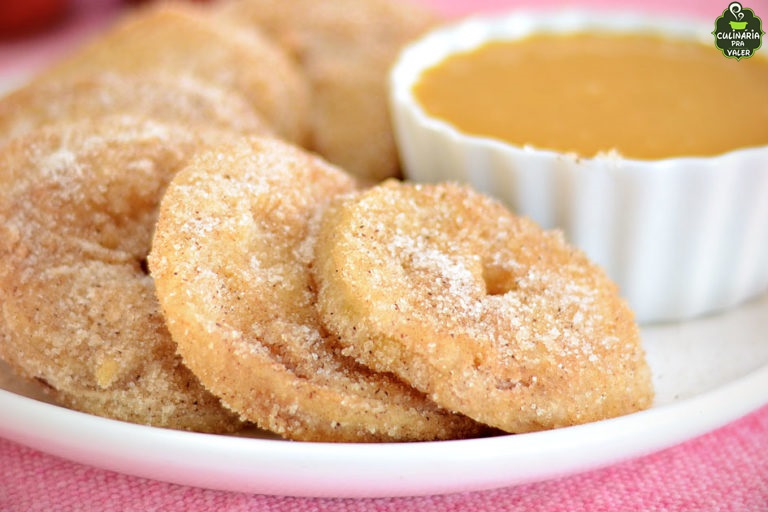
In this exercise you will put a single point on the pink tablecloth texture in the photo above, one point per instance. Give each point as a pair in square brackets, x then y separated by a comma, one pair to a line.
[724, 470]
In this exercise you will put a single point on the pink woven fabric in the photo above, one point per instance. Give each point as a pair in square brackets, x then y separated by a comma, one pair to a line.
[726, 470]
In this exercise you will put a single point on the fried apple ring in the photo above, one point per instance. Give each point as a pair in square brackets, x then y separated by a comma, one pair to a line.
[231, 260]
[184, 41]
[79, 312]
[345, 48]
[157, 96]
[481, 310]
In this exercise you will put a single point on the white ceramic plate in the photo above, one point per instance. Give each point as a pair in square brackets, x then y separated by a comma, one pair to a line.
[707, 373]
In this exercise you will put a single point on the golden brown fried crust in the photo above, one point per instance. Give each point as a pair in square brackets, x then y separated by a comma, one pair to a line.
[79, 312]
[480, 309]
[184, 41]
[158, 96]
[231, 259]
[345, 49]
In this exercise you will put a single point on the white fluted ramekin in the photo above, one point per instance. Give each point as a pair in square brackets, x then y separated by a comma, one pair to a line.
[680, 236]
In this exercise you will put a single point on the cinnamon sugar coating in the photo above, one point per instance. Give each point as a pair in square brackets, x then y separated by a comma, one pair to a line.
[183, 41]
[231, 258]
[481, 310]
[155, 95]
[345, 49]
[78, 309]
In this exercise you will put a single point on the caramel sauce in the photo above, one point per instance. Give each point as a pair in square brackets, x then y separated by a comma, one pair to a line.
[644, 96]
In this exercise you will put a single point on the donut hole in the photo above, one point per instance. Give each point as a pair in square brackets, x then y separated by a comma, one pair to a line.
[498, 281]
[144, 266]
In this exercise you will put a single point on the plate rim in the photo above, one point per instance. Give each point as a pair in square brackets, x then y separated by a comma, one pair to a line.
[360, 470]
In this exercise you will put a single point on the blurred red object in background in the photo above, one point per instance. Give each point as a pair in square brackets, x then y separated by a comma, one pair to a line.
[147, 1]
[21, 17]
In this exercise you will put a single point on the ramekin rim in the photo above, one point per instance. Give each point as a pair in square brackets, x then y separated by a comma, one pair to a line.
[484, 28]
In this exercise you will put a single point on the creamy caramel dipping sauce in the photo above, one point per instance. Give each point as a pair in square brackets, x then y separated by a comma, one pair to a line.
[643, 96]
